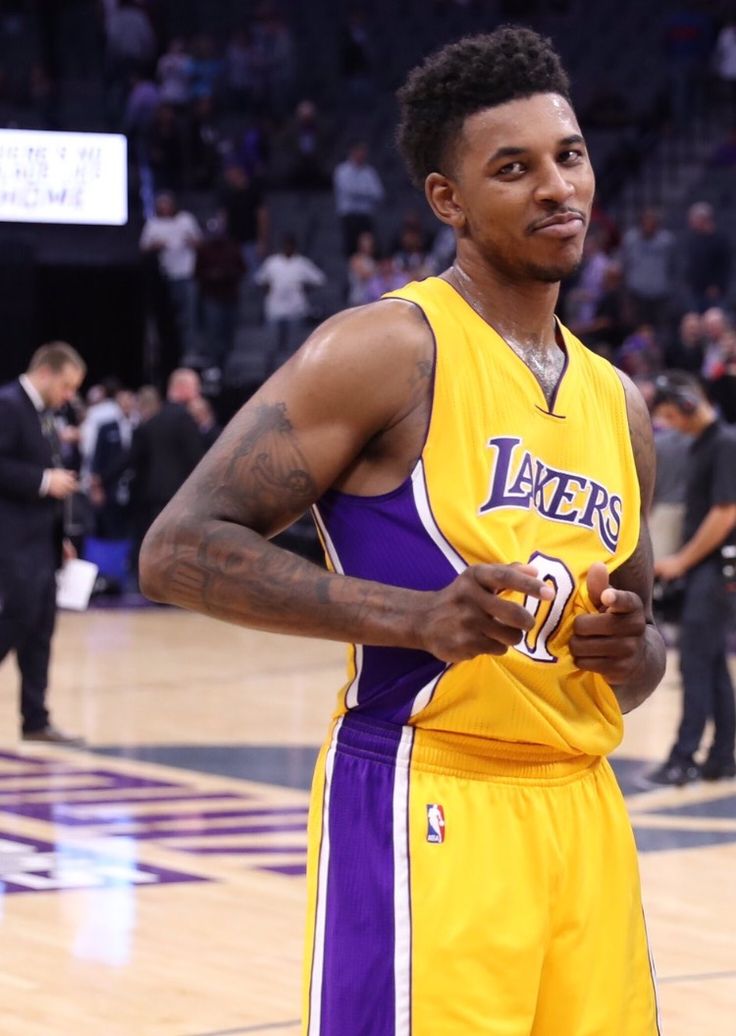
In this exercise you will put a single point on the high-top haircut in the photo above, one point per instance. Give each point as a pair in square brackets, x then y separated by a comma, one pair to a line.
[466, 77]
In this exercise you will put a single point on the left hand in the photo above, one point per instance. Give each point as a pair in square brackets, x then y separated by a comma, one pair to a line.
[68, 551]
[610, 642]
[669, 568]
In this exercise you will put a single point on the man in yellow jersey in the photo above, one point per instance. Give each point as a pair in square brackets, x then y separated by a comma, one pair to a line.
[479, 481]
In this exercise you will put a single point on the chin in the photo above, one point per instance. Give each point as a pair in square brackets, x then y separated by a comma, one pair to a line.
[553, 273]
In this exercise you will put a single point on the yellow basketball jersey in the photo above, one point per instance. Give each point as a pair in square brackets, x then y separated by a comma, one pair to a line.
[503, 477]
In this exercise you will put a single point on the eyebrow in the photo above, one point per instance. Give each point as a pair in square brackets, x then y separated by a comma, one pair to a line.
[514, 152]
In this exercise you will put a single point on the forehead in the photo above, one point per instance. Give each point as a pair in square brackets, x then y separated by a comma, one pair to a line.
[528, 123]
[70, 374]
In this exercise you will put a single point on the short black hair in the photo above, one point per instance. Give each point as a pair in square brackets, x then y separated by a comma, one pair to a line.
[679, 388]
[466, 77]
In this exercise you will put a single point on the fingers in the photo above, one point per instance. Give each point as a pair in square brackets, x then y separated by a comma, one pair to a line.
[597, 581]
[610, 624]
[512, 577]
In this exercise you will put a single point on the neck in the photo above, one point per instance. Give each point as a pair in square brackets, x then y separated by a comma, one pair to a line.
[521, 311]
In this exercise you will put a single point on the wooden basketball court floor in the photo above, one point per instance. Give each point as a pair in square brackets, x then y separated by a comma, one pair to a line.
[152, 884]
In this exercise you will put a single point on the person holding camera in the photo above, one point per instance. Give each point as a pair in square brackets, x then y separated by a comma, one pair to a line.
[708, 528]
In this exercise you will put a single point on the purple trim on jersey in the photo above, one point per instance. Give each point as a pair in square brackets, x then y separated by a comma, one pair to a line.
[358, 991]
[382, 538]
[563, 345]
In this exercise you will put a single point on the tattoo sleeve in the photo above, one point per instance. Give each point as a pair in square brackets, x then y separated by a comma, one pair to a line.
[637, 573]
[208, 551]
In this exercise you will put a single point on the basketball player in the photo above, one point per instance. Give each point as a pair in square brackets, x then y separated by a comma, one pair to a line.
[478, 479]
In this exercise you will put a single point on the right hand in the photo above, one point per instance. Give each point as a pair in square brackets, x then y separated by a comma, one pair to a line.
[62, 483]
[469, 617]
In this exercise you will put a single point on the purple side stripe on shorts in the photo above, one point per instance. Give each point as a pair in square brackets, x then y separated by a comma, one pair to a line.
[358, 994]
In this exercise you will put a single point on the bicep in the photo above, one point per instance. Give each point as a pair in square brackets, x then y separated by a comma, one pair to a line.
[300, 431]
[636, 573]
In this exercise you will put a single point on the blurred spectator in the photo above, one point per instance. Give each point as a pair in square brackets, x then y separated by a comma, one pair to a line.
[411, 255]
[103, 408]
[358, 193]
[716, 329]
[165, 449]
[110, 477]
[356, 56]
[387, 278]
[239, 69]
[276, 66]
[687, 42]
[687, 351]
[165, 149]
[206, 68]
[362, 268]
[174, 236]
[130, 47]
[202, 412]
[583, 298]
[724, 60]
[303, 147]
[723, 388]
[724, 155]
[707, 258]
[640, 355]
[140, 114]
[604, 333]
[219, 271]
[174, 73]
[648, 259]
[668, 501]
[442, 253]
[244, 203]
[205, 144]
[148, 402]
[286, 275]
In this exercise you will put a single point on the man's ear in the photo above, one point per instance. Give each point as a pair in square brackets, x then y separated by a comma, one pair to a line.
[443, 198]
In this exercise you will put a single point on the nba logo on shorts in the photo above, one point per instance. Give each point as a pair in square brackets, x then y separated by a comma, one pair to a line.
[435, 824]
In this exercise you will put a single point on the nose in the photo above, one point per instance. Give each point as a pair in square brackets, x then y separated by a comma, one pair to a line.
[554, 185]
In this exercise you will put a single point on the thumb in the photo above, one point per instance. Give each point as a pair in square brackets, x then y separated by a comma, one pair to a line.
[597, 581]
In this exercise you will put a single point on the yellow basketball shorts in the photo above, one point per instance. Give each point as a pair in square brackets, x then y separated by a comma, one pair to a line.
[458, 896]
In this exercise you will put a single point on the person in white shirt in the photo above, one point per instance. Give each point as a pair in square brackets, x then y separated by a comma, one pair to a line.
[358, 193]
[286, 275]
[175, 236]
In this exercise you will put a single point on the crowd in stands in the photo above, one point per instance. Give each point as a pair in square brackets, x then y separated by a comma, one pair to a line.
[219, 123]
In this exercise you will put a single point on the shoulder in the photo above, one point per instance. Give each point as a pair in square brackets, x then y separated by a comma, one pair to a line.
[377, 337]
[361, 367]
[12, 396]
[642, 436]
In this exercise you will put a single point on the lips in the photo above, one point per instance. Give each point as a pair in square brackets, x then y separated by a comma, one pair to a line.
[562, 224]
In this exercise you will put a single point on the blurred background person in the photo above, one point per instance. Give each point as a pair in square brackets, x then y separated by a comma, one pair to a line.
[33, 488]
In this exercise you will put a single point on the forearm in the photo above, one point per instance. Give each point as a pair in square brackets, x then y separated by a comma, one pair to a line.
[709, 535]
[231, 573]
[648, 673]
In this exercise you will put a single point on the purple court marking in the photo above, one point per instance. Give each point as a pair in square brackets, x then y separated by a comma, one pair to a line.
[33, 865]
[243, 850]
[63, 813]
[151, 819]
[291, 870]
[113, 814]
[195, 832]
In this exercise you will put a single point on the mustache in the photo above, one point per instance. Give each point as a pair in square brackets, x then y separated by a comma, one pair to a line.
[564, 210]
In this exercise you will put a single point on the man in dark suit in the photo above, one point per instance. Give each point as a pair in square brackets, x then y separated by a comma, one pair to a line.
[165, 450]
[33, 484]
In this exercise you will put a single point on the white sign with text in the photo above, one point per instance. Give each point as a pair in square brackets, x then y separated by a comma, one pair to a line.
[50, 177]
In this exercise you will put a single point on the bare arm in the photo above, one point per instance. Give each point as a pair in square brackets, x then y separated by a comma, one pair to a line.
[709, 535]
[208, 551]
[621, 642]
